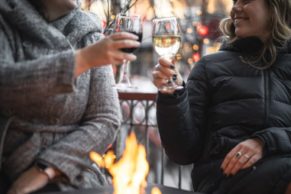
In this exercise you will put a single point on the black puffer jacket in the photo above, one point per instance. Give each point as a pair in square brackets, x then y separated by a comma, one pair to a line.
[226, 102]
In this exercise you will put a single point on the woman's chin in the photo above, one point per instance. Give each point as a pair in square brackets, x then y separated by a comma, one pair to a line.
[240, 34]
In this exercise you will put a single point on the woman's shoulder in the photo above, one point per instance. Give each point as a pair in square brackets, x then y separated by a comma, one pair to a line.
[87, 19]
[221, 56]
[216, 63]
[84, 28]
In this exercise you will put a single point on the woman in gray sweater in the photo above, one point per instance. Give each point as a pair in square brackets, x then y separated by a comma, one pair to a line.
[55, 84]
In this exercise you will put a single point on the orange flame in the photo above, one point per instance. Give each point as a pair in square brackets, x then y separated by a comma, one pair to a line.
[130, 172]
[156, 190]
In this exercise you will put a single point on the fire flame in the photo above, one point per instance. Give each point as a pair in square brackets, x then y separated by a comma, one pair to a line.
[156, 190]
[130, 172]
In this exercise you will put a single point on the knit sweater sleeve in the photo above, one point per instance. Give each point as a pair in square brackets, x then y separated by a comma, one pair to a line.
[96, 130]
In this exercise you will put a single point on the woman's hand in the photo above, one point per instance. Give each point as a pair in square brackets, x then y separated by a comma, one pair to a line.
[106, 51]
[31, 180]
[163, 73]
[242, 156]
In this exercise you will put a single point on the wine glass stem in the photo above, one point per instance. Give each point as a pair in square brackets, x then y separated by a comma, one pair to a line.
[124, 79]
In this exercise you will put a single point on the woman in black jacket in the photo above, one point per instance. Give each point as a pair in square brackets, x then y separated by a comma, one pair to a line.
[233, 119]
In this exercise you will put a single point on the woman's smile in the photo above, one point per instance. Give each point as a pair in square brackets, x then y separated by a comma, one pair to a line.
[238, 20]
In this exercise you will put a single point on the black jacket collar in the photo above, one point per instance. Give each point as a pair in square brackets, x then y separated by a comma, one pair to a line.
[251, 45]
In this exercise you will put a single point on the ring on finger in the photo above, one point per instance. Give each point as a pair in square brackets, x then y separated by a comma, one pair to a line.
[238, 154]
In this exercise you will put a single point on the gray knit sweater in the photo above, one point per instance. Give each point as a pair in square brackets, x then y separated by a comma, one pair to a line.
[58, 119]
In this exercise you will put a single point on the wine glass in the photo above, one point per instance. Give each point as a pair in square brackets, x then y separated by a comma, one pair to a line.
[133, 25]
[167, 42]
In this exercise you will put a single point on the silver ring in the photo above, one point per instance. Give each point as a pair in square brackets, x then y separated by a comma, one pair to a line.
[238, 154]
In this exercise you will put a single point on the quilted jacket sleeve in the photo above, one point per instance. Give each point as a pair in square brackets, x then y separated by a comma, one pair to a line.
[182, 118]
[277, 140]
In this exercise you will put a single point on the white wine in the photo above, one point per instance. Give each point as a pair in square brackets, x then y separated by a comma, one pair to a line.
[167, 44]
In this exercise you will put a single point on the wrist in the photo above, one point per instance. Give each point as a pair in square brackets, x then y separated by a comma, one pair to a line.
[48, 171]
[81, 62]
[259, 141]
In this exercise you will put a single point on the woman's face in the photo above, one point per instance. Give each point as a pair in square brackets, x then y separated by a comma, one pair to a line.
[250, 18]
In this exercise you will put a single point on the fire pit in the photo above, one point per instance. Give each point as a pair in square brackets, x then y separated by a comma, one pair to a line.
[128, 173]
[109, 190]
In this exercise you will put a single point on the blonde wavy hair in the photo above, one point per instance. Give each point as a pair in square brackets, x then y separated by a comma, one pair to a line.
[280, 33]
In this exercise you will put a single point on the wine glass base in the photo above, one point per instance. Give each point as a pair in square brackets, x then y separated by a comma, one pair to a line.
[125, 87]
[170, 89]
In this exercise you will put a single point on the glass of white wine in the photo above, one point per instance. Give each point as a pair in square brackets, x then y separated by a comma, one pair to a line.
[167, 42]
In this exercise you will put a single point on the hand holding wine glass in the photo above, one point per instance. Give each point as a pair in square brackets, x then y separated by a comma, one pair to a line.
[133, 25]
[105, 51]
[166, 41]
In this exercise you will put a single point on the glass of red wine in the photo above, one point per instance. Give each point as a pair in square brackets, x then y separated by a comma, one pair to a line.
[133, 25]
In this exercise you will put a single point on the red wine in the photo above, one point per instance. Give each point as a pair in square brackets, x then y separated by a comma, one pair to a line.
[131, 50]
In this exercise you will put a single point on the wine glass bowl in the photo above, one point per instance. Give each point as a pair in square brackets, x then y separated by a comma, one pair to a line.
[167, 42]
[131, 24]
[167, 45]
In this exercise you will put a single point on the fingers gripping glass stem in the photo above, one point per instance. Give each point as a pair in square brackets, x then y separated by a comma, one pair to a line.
[171, 84]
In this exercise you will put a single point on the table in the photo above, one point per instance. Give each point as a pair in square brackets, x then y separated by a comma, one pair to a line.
[137, 95]
[108, 190]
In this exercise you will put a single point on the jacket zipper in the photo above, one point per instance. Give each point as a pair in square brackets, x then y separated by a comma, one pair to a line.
[266, 87]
